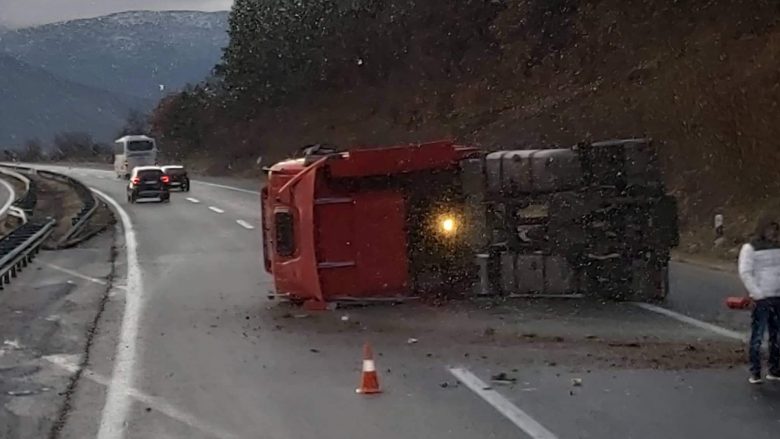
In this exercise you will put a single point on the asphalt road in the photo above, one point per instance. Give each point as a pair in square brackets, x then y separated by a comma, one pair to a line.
[6, 194]
[193, 349]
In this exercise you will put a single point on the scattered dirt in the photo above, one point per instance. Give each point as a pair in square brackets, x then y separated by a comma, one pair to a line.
[538, 333]
[56, 200]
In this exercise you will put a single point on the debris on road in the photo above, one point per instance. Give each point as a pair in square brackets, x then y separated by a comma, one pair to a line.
[316, 351]
[576, 382]
[345, 318]
[411, 341]
[625, 345]
[21, 392]
[502, 378]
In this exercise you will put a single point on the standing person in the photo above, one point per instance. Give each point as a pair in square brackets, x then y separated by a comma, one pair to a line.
[759, 269]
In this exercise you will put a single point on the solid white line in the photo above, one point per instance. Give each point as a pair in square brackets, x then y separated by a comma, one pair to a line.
[192, 200]
[518, 417]
[11, 196]
[70, 364]
[117, 405]
[82, 276]
[245, 224]
[728, 333]
[232, 188]
[216, 209]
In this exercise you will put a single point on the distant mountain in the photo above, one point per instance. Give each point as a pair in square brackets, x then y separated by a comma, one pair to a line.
[35, 103]
[132, 53]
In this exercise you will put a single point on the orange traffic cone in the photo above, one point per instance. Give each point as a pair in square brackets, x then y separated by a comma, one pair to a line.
[369, 382]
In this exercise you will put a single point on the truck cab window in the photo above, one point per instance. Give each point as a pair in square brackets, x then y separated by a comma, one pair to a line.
[285, 238]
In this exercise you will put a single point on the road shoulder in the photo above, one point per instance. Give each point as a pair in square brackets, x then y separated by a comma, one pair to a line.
[48, 314]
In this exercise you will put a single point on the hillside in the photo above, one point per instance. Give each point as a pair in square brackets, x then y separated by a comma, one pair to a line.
[131, 53]
[700, 77]
[36, 104]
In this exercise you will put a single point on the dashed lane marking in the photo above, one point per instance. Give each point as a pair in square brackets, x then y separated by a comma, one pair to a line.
[193, 200]
[245, 224]
[216, 209]
[113, 418]
[728, 333]
[232, 188]
[69, 363]
[510, 411]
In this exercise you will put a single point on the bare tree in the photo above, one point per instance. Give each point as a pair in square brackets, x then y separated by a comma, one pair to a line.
[136, 123]
[32, 151]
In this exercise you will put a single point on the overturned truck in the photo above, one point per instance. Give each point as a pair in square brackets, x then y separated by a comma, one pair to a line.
[439, 218]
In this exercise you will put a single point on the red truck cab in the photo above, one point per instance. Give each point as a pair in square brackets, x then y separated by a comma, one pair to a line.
[337, 226]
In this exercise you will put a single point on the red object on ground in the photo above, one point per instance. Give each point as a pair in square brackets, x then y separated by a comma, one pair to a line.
[739, 302]
[369, 382]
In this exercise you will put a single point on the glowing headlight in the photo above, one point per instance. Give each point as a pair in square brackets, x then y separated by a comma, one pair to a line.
[448, 225]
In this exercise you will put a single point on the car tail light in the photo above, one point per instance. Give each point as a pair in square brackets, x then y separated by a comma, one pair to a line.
[136, 181]
[165, 179]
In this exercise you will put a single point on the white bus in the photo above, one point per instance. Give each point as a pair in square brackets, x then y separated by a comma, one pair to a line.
[132, 151]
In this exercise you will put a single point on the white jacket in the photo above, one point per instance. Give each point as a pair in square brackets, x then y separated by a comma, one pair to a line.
[760, 271]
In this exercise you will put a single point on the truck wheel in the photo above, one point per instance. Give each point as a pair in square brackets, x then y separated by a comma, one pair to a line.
[651, 284]
[663, 284]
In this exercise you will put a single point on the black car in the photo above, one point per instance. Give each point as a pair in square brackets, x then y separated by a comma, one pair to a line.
[178, 176]
[148, 182]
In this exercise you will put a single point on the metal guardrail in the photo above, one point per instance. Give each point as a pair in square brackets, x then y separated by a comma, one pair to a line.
[12, 197]
[12, 208]
[89, 202]
[23, 206]
[18, 248]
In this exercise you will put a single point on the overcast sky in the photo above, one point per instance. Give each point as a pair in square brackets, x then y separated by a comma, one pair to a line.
[19, 13]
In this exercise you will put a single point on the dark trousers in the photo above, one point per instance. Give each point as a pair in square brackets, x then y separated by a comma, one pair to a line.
[765, 317]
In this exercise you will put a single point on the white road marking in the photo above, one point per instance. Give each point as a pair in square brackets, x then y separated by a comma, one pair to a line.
[70, 364]
[216, 209]
[728, 333]
[84, 277]
[117, 405]
[245, 224]
[222, 186]
[192, 200]
[11, 196]
[13, 343]
[518, 417]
